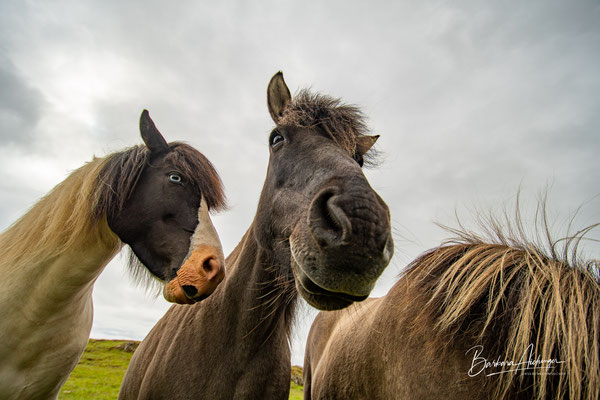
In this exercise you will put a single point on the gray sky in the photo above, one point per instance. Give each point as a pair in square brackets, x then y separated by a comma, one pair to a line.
[472, 102]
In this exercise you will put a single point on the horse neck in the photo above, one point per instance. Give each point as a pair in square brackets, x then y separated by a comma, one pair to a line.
[259, 305]
[58, 249]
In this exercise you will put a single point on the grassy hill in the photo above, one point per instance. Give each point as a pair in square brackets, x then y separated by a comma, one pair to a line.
[102, 366]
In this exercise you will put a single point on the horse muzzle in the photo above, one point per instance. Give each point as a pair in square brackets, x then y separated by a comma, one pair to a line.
[342, 246]
[197, 278]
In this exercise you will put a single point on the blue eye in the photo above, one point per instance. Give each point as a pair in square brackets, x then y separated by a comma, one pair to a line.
[175, 178]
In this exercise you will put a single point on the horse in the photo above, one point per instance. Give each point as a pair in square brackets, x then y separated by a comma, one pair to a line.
[320, 231]
[155, 198]
[479, 317]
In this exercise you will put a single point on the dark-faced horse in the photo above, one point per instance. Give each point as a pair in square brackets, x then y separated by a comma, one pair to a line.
[154, 198]
[320, 230]
[473, 319]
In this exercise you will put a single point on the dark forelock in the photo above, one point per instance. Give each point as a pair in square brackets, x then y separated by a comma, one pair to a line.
[341, 122]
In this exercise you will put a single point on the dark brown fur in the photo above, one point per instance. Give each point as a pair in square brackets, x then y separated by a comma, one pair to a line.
[120, 174]
[343, 123]
[235, 344]
[118, 179]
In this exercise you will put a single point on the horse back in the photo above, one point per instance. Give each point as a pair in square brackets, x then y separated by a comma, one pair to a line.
[372, 351]
[336, 351]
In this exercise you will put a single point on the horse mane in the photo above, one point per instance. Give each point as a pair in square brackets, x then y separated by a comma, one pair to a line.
[76, 209]
[59, 220]
[507, 293]
[119, 176]
[343, 123]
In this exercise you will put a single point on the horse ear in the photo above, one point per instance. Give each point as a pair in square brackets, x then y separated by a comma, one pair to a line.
[364, 143]
[152, 138]
[278, 96]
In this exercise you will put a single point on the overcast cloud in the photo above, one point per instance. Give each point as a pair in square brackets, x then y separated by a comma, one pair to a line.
[472, 101]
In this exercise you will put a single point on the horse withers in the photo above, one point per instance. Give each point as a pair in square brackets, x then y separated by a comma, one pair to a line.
[154, 198]
[320, 230]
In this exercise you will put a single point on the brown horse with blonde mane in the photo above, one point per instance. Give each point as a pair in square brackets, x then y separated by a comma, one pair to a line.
[320, 230]
[154, 198]
[476, 318]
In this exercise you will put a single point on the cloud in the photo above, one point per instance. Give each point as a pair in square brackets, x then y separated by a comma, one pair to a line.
[21, 106]
[472, 101]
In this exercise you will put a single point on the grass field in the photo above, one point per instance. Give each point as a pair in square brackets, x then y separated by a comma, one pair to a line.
[100, 371]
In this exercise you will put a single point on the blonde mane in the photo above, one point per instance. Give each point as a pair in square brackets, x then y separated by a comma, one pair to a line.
[76, 210]
[62, 218]
[506, 294]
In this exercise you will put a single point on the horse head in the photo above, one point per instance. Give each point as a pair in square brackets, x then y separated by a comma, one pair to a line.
[158, 203]
[316, 201]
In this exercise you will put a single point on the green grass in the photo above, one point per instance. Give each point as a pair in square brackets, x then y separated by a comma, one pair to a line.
[99, 372]
[101, 369]
[296, 392]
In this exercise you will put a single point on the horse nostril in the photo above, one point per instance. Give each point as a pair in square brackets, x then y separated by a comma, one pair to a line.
[190, 291]
[328, 222]
[212, 268]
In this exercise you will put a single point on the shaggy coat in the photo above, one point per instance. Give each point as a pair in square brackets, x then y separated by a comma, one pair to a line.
[476, 318]
[315, 206]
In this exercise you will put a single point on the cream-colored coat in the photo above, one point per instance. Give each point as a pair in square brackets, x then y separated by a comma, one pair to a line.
[49, 261]
[46, 316]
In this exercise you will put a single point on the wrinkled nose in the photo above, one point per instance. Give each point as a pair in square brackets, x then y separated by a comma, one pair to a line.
[197, 278]
[339, 218]
[345, 242]
[202, 271]
[328, 222]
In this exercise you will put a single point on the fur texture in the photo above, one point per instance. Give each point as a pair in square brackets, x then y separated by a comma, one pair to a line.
[343, 123]
[507, 293]
[511, 295]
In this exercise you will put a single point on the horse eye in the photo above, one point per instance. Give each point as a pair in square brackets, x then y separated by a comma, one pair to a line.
[175, 178]
[275, 138]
